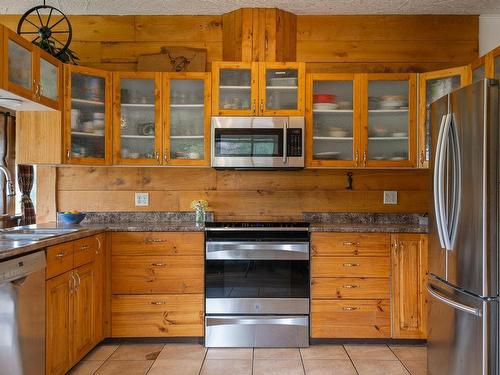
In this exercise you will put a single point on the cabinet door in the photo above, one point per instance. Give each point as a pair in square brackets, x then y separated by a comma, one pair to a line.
[235, 88]
[137, 118]
[432, 86]
[59, 311]
[87, 116]
[83, 311]
[186, 136]
[281, 89]
[332, 120]
[49, 90]
[478, 69]
[19, 75]
[389, 120]
[409, 276]
[494, 63]
[100, 288]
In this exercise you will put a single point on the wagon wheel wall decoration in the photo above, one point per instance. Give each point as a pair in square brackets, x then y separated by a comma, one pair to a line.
[47, 27]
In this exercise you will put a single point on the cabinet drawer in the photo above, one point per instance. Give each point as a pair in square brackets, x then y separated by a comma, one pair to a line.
[59, 259]
[157, 315]
[350, 288]
[85, 250]
[350, 319]
[156, 274]
[350, 267]
[348, 244]
[157, 243]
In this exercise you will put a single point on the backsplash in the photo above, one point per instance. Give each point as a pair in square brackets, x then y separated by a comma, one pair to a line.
[143, 217]
[365, 218]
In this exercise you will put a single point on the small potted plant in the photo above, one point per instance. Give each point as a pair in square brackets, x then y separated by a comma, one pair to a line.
[200, 206]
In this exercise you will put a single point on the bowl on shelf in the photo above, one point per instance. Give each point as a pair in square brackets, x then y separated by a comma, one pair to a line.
[71, 218]
[324, 98]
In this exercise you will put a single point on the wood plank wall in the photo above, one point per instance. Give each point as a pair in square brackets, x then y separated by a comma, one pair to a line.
[240, 194]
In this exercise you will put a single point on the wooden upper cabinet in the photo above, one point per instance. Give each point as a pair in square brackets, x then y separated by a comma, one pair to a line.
[409, 278]
[50, 80]
[478, 69]
[494, 63]
[388, 120]
[87, 116]
[332, 120]
[281, 88]
[186, 117]
[235, 88]
[432, 86]
[137, 124]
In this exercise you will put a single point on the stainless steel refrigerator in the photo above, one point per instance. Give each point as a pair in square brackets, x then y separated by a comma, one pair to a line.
[463, 279]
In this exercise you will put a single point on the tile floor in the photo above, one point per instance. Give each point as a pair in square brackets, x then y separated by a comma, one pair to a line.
[194, 359]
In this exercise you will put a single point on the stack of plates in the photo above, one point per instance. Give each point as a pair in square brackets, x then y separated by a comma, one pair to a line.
[324, 106]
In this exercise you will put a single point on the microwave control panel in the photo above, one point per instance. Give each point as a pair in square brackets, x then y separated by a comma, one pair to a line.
[294, 142]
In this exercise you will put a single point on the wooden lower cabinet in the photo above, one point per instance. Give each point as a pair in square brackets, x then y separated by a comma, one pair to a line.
[409, 277]
[351, 266]
[350, 288]
[157, 315]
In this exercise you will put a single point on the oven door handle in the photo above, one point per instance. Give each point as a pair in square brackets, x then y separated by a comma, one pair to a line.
[251, 320]
[257, 250]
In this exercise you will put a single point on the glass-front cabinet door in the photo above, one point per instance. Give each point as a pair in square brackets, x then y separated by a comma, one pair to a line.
[478, 69]
[281, 89]
[495, 62]
[87, 116]
[389, 120]
[432, 86]
[50, 80]
[137, 125]
[332, 120]
[235, 88]
[186, 137]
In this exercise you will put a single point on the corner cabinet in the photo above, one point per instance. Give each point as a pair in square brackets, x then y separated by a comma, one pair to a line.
[258, 89]
[87, 116]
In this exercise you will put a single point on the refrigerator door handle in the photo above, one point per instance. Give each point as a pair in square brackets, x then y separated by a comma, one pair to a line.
[457, 305]
[444, 149]
[457, 183]
[438, 182]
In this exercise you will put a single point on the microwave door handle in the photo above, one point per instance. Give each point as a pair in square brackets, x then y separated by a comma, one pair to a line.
[285, 142]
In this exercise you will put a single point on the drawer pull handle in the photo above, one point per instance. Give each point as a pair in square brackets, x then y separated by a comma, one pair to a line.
[60, 255]
[154, 240]
[351, 286]
[351, 264]
[349, 308]
[158, 264]
[84, 247]
[157, 302]
[351, 243]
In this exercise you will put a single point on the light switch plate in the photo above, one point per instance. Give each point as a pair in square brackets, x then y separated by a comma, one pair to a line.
[142, 199]
[390, 197]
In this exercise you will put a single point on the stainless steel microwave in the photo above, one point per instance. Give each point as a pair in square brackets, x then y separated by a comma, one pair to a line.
[257, 142]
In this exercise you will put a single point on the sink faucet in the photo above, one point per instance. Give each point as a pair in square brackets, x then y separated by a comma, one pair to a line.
[11, 190]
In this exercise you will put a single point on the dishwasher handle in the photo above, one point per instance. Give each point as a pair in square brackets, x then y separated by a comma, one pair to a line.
[17, 269]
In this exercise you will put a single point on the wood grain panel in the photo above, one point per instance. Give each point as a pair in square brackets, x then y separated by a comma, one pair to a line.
[157, 315]
[46, 192]
[178, 28]
[59, 259]
[350, 319]
[350, 288]
[350, 267]
[157, 274]
[157, 243]
[350, 244]
[375, 67]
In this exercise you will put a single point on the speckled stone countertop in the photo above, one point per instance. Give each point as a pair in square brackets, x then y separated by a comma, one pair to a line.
[366, 223]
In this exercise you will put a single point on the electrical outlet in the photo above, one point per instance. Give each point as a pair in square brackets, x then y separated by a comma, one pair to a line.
[390, 197]
[142, 199]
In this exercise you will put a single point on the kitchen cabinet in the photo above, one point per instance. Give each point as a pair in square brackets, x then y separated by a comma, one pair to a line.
[258, 89]
[494, 61]
[87, 116]
[186, 132]
[30, 72]
[137, 123]
[478, 69]
[409, 277]
[388, 120]
[432, 86]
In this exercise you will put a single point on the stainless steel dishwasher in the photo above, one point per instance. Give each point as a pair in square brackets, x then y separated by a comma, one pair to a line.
[22, 315]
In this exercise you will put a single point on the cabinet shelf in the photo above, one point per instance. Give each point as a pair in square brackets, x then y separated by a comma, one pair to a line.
[332, 111]
[87, 102]
[83, 134]
[138, 136]
[235, 87]
[281, 87]
[187, 105]
[333, 138]
[187, 136]
[137, 105]
[388, 138]
[388, 110]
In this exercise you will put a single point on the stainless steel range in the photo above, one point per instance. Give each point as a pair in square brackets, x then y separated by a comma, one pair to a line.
[257, 284]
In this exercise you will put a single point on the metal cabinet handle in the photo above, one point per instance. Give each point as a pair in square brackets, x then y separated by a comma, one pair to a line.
[349, 308]
[348, 286]
[154, 240]
[165, 155]
[68, 154]
[364, 158]
[84, 247]
[157, 302]
[98, 245]
[158, 264]
[78, 281]
[36, 94]
[262, 106]
[356, 158]
[72, 282]
[157, 156]
[350, 243]
[422, 158]
[254, 106]
[60, 255]
[351, 264]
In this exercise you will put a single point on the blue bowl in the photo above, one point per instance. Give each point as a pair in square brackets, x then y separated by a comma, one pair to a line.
[72, 218]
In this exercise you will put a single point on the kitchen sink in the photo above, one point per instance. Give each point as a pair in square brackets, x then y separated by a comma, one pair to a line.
[36, 234]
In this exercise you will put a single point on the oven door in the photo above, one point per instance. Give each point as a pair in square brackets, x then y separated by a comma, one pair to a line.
[249, 142]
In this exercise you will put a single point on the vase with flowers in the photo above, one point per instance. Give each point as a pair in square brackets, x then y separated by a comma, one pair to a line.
[200, 206]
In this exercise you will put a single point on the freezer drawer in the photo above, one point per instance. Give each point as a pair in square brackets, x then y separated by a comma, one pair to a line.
[462, 337]
[257, 331]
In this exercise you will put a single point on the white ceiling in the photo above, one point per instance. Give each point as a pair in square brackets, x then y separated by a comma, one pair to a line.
[199, 7]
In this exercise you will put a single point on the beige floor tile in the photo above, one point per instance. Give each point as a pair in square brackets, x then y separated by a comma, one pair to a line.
[227, 367]
[136, 352]
[376, 367]
[324, 352]
[124, 368]
[86, 368]
[416, 367]
[229, 353]
[101, 352]
[176, 367]
[276, 353]
[412, 353]
[183, 351]
[277, 367]
[329, 367]
[377, 352]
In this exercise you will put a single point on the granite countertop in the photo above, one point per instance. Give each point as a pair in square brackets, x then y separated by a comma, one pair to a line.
[368, 228]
